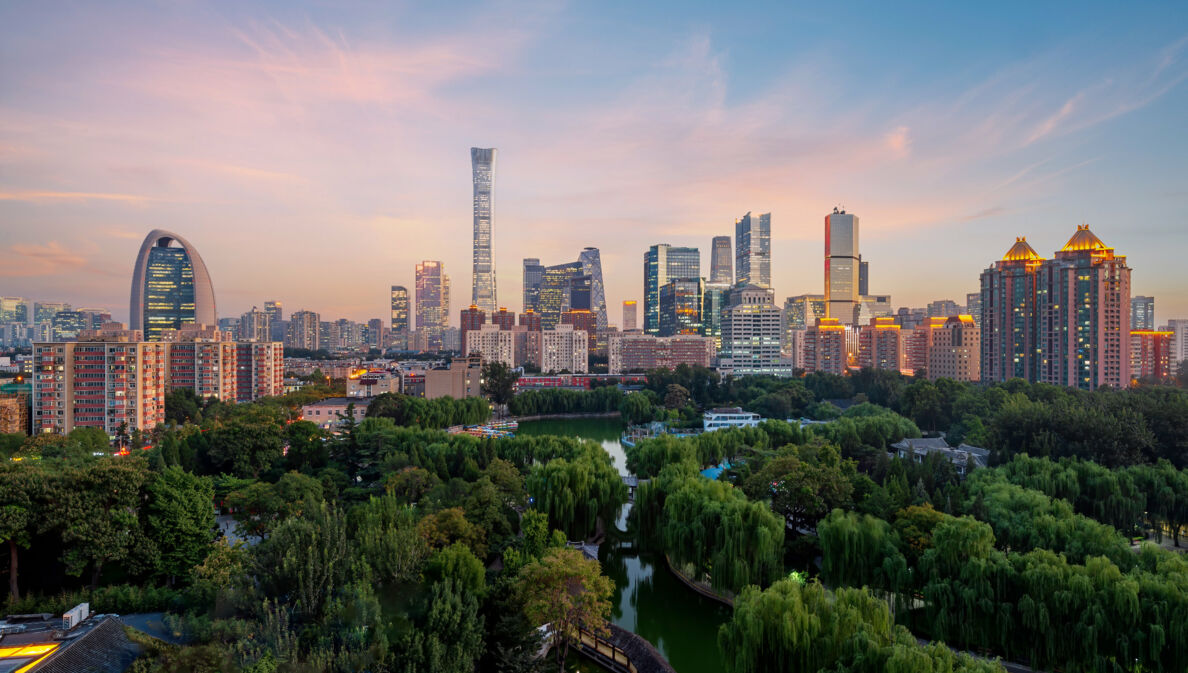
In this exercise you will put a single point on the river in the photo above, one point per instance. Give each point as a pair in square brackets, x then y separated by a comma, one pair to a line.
[648, 599]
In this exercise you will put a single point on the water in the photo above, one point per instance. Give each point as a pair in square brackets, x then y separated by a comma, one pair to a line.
[648, 600]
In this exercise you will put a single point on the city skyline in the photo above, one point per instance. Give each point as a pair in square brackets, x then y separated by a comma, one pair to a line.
[1029, 136]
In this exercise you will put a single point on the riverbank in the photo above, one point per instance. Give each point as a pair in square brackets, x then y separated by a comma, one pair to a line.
[563, 417]
[699, 587]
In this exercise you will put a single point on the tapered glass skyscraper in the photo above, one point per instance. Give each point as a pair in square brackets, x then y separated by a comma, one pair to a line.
[592, 266]
[482, 165]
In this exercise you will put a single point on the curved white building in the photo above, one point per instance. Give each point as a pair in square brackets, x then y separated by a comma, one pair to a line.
[170, 286]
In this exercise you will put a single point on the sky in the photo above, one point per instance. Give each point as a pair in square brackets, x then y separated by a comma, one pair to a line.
[314, 152]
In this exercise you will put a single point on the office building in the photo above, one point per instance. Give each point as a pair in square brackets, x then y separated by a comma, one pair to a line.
[533, 277]
[841, 267]
[399, 318]
[170, 286]
[1150, 355]
[1142, 313]
[1083, 315]
[880, 344]
[752, 250]
[564, 349]
[863, 277]
[715, 298]
[630, 310]
[304, 331]
[825, 346]
[44, 311]
[591, 261]
[104, 382]
[432, 303]
[663, 263]
[800, 312]
[643, 352]
[721, 261]
[1010, 339]
[955, 352]
[751, 333]
[14, 309]
[943, 308]
[873, 306]
[680, 306]
[67, 325]
[482, 166]
[557, 291]
[472, 318]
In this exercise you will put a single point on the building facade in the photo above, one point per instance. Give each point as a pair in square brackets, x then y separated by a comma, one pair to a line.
[170, 286]
[880, 344]
[533, 277]
[432, 303]
[564, 349]
[494, 344]
[752, 250]
[1010, 338]
[482, 167]
[642, 352]
[841, 266]
[721, 261]
[1150, 355]
[751, 332]
[399, 318]
[825, 347]
[557, 292]
[955, 351]
[680, 307]
[304, 331]
[1142, 313]
[630, 310]
[591, 261]
[663, 263]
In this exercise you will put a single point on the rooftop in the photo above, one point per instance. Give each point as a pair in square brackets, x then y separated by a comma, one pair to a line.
[1021, 251]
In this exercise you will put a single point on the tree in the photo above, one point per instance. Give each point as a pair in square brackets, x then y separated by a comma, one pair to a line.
[675, 396]
[386, 533]
[183, 406]
[636, 408]
[179, 518]
[451, 639]
[95, 508]
[499, 382]
[569, 593]
[19, 485]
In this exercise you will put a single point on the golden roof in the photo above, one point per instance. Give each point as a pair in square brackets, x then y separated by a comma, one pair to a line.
[1083, 240]
[1021, 251]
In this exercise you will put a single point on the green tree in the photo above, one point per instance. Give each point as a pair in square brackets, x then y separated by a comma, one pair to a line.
[179, 519]
[499, 382]
[387, 537]
[451, 638]
[569, 593]
[19, 489]
[95, 507]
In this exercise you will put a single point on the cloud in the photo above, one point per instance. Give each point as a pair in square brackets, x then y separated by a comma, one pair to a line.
[40, 196]
[25, 259]
[899, 141]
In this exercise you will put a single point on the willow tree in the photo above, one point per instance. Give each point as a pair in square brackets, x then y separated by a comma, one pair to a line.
[576, 493]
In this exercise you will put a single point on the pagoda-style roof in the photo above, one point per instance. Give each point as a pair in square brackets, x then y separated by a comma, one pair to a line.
[1021, 251]
[1084, 240]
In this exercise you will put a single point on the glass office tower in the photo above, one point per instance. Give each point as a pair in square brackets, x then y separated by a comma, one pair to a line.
[482, 165]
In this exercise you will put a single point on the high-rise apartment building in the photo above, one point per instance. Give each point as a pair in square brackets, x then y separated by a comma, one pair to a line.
[494, 344]
[1063, 321]
[630, 309]
[591, 261]
[275, 310]
[680, 306]
[472, 318]
[482, 166]
[304, 331]
[255, 326]
[841, 266]
[1150, 355]
[721, 261]
[752, 250]
[1010, 339]
[1142, 313]
[432, 303]
[1179, 342]
[564, 349]
[399, 318]
[919, 341]
[663, 263]
[206, 366]
[533, 277]
[955, 352]
[750, 332]
[880, 344]
[170, 286]
[825, 346]
[504, 318]
[1083, 315]
[104, 384]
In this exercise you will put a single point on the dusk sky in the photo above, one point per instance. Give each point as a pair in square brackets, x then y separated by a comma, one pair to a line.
[314, 152]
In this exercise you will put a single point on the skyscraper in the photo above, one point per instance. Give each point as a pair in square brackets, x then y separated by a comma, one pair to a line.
[275, 310]
[433, 303]
[556, 292]
[1083, 306]
[663, 263]
[863, 277]
[841, 266]
[591, 262]
[1142, 313]
[680, 307]
[482, 166]
[304, 331]
[751, 332]
[752, 250]
[533, 277]
[1009, 338]
[170, 286]
[399, 318]
[721, 264]
[14, 309]
[630, 308]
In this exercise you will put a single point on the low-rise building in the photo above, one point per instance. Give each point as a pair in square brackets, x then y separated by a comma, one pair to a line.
[373, 382]
[330, 412]
[732, 417]
[964, 457]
